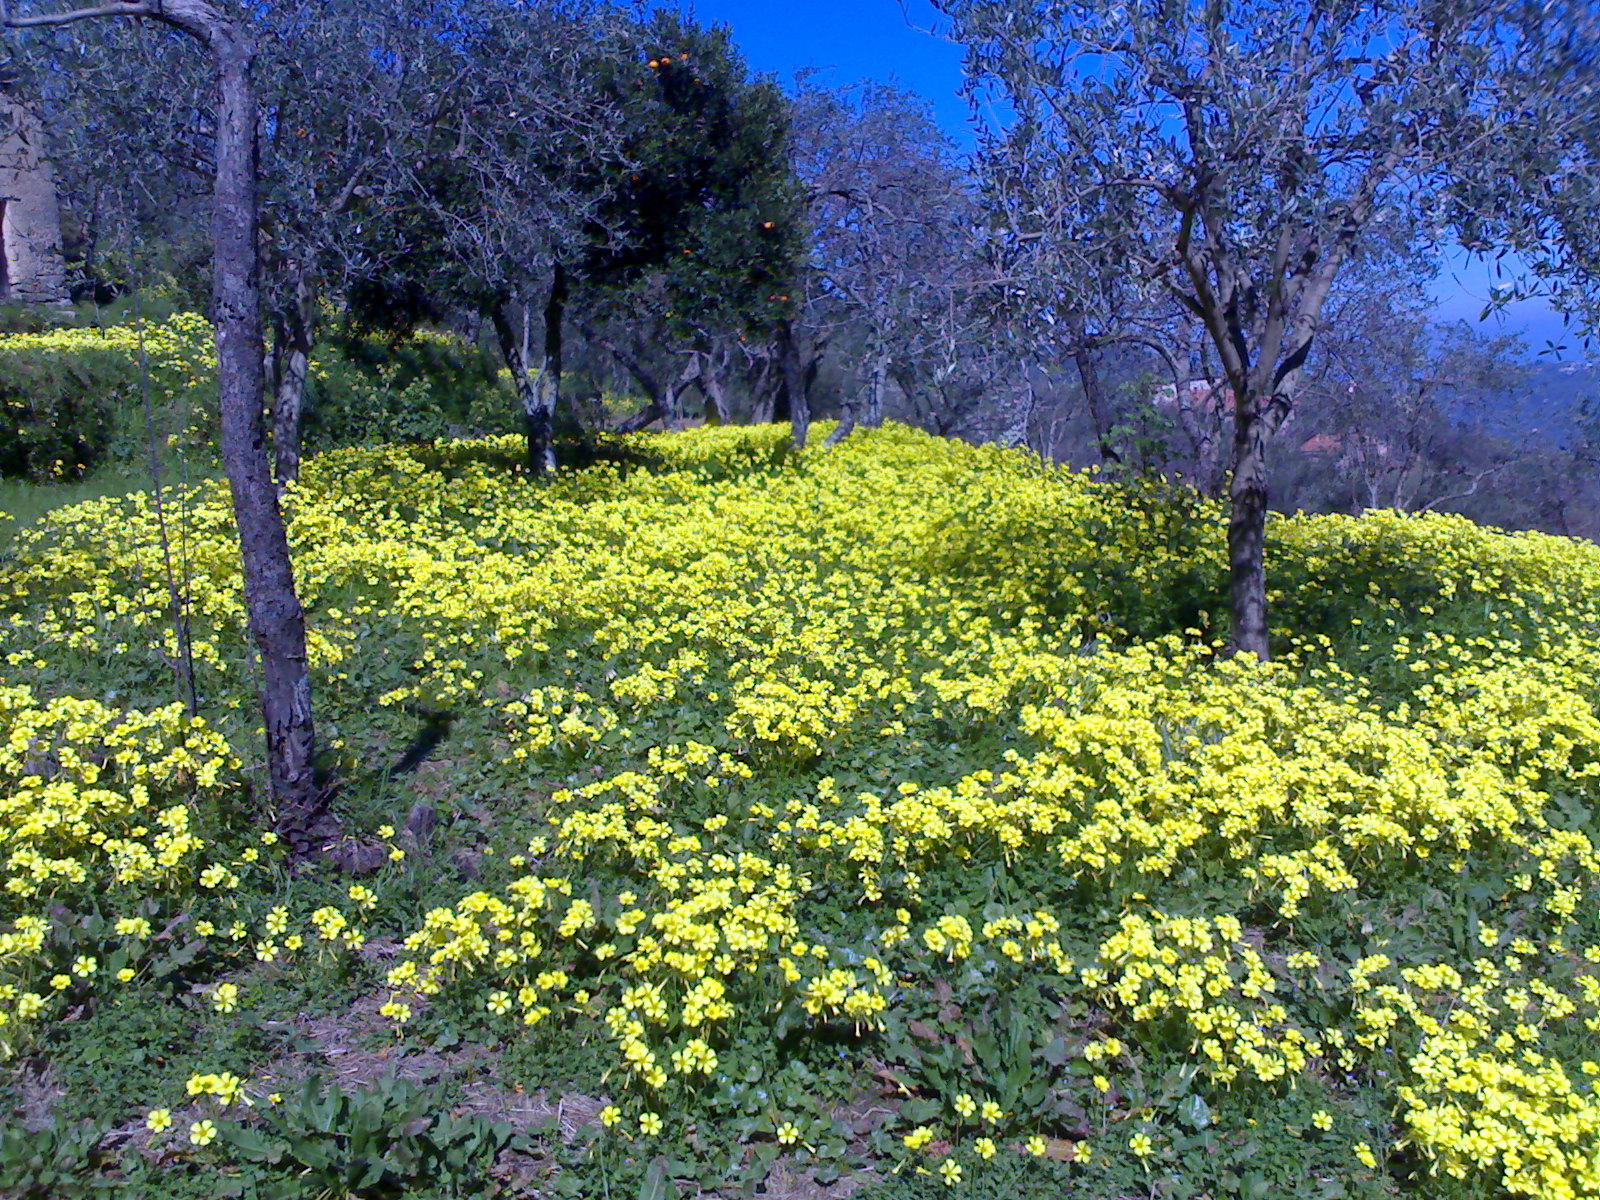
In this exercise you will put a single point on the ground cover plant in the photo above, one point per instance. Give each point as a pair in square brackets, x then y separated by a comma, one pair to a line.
[73, 396]
[879, 817]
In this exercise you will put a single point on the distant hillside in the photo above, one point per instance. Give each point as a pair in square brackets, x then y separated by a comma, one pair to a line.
[1553, 403]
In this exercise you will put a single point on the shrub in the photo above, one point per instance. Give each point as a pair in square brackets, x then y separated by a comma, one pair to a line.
[61, 410]
[426, 387]
[70, 397]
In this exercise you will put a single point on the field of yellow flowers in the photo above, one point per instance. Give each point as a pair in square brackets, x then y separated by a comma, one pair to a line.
[885, 813]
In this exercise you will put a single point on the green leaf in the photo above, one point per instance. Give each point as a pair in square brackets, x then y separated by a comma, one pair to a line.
[251, 1145]
[1194, 1112]
[655, 1182]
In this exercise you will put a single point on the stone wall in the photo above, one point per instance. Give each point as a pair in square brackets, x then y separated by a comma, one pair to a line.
[31, 269]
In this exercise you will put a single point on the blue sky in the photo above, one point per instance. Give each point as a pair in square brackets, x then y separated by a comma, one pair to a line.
[851, 40]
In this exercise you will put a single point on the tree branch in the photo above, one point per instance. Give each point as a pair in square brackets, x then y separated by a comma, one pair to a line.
[117, 8]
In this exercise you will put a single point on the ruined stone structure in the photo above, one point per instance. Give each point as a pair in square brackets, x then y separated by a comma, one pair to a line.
[31, 269]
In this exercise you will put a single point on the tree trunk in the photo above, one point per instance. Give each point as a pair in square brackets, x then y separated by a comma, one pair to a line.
[509, 328]
[273, 609]
[1247, 530]
[641, 419]
[877, 385]
[794, 384]
[1094, 393]
[847, 422]
[541, 430]
[764, 409]
[653, 409]
[293, 332]
[539, 391]
[870, 404]
[905, 378]
[718, 411]
[672, 406]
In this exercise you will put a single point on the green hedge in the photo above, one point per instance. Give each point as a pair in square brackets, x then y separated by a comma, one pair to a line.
[70, 399]
[62, 411]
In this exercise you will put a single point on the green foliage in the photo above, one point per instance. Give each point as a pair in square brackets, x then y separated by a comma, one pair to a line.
[421, 387]
[60, 412]
[23, 501]
[57, 1163]
[386, 1140]
[144, 1040]
[33, 318]
[710, 204]
[72, 397]
[71, 401]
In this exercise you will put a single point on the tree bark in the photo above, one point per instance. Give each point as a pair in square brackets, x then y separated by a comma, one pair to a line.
[1094, 393]
[847, 423]
[793, 384]
[764, 410]
[1247, 531]
[878, 384]
[294, 327]
[539, 391]
[718, 410]
[672, 406]
[541, 426]
[906, 379]
[869, 405]
[273, 608]
[642, 419]
[655, 408]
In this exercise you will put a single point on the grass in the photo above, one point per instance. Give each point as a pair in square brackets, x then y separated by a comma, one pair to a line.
[23, 502]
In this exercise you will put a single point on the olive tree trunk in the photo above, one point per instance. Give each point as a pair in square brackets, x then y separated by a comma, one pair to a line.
[1247, 536]
[276, 619]
[538, 389]
[272, 608]
[1094, 393]
[873, 417]
[793, 377]
[718, 410]
[293, 330]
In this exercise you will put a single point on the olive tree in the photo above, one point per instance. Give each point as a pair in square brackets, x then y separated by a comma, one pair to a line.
[890, 222]
[501, 188]
[272, 606]
[1404, 408]
[340, 141]
[1236, 153]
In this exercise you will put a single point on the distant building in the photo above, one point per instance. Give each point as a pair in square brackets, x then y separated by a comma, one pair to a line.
[1338, 445]
[1202, 398]
[1322, 443]
[1197, 396]
[31, 267]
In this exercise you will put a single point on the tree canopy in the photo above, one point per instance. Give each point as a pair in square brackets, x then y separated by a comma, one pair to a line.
[1236, 154]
